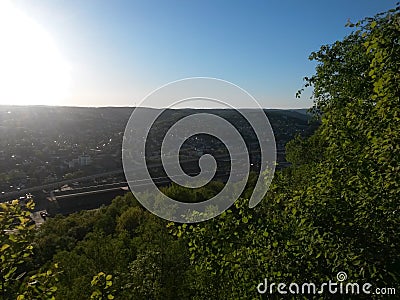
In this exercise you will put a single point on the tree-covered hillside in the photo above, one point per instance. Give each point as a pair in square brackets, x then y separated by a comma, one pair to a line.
[336, 209]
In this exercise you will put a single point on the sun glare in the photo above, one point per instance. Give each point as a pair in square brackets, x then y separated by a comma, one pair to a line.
[32, 69]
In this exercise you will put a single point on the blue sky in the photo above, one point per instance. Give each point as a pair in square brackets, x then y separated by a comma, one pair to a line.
[119, 51]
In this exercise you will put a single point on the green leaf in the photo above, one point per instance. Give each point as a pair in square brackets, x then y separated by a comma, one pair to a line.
[4, 247]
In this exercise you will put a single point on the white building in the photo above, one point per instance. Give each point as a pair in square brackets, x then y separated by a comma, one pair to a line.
[81, 161]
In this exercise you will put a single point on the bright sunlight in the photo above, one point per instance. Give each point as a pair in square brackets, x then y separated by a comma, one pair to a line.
[32, 70]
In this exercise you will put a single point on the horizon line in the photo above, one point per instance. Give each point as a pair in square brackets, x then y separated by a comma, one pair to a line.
[127, 106]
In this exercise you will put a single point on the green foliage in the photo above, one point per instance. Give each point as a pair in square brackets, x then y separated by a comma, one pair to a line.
[102, 284]
[40, 285]
[130, 219]
[17, 233]
[96, 253]
[357, 188]
[301, 151]
[16, 248]
[121, 239]
[188, 195]
[336, 209]
[158, 271]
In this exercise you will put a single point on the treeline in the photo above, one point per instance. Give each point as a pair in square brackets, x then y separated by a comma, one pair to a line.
[336, 209]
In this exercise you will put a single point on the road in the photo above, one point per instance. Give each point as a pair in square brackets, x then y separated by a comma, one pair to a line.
[55, 185]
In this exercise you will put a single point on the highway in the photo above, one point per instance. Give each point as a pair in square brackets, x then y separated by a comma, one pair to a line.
[56, 185]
